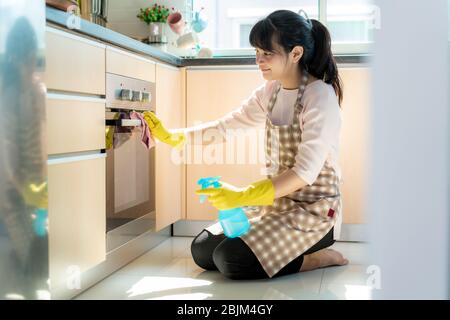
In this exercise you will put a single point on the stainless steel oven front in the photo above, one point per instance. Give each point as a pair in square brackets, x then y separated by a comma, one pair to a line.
[130, 165]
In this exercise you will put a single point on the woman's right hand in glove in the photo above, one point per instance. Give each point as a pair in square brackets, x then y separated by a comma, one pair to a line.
[161, 133]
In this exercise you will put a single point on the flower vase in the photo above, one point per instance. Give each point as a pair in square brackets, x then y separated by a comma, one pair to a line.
[157, 32]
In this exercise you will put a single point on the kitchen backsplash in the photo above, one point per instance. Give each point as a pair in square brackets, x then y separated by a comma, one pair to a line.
[122, 18]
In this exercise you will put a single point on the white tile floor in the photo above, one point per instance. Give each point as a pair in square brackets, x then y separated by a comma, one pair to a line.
[168, 272]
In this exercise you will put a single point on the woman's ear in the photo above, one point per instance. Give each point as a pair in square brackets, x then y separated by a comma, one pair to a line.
[297, 53]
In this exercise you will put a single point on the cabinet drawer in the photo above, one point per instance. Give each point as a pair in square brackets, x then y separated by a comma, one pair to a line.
[129, 65]
[77, 216]
[74, 64]
[74, 124]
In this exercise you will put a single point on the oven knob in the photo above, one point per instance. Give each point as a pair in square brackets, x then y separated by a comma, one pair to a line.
[137, 96]
[145, 96]
[126, 94]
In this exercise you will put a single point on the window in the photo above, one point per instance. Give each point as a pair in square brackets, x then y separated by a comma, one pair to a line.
[350, 23]
[230, 22]
[244, 32]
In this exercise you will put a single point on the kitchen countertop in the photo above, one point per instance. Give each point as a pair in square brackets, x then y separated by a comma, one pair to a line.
[93, 30]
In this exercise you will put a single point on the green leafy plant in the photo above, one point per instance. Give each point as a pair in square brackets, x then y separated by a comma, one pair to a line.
[155, 13]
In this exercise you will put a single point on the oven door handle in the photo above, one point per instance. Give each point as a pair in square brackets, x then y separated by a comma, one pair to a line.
[124, 122]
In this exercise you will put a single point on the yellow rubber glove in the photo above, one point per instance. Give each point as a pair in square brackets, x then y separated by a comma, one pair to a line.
[109, 136]
[109, 133]
[162, 134]
[257, 194]
[36, 195]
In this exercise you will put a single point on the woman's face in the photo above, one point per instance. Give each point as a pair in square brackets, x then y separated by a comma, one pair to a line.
[271, 64]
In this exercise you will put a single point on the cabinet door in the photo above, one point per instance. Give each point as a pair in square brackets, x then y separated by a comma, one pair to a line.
[74, 123]
[354, 142]
[130, 65]
[74, 63]
[169, 174]
[77, 216]
[211, 93]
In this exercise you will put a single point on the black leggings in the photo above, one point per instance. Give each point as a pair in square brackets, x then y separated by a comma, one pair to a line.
[235, 260]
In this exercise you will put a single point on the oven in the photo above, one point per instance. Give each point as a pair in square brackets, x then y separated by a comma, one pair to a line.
[130, 165]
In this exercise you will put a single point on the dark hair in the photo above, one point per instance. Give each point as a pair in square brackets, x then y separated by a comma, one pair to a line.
[290, 29]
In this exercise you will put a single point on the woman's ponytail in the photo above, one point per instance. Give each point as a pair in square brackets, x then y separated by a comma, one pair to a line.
[322, 64]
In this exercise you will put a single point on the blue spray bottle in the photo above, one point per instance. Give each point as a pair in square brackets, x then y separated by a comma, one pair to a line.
[234, 222]
[40, 222]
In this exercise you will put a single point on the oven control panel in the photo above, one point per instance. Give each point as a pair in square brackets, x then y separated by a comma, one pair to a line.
[128, 93]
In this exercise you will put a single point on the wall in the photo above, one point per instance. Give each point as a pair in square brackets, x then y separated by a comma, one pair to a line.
[122, 18]
[408, 183]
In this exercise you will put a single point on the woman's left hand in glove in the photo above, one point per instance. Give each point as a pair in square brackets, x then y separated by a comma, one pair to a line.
[227, 197]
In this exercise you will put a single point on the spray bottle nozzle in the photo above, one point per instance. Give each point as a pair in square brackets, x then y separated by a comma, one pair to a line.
[234, 222]
[206, 183]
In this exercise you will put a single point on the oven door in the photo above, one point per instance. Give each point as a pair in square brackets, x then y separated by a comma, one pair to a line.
[130, 184]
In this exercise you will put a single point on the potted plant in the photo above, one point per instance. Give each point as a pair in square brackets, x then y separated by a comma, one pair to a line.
[155, 17]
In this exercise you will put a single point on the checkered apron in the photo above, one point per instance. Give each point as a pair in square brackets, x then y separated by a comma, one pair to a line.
[294, 223]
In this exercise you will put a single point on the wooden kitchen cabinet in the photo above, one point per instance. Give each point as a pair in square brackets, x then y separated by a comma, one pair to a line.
[354, 153]
[77, 216]
[75, 77]
[169, 175]
[211, 93]
[129, 65]
[74, 63]
[74, 124]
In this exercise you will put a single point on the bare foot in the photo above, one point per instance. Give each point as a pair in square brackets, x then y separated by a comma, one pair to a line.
[323, 258]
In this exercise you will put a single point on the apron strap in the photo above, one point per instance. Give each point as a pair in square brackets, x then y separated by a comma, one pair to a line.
[273, 98]
[298, 107]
